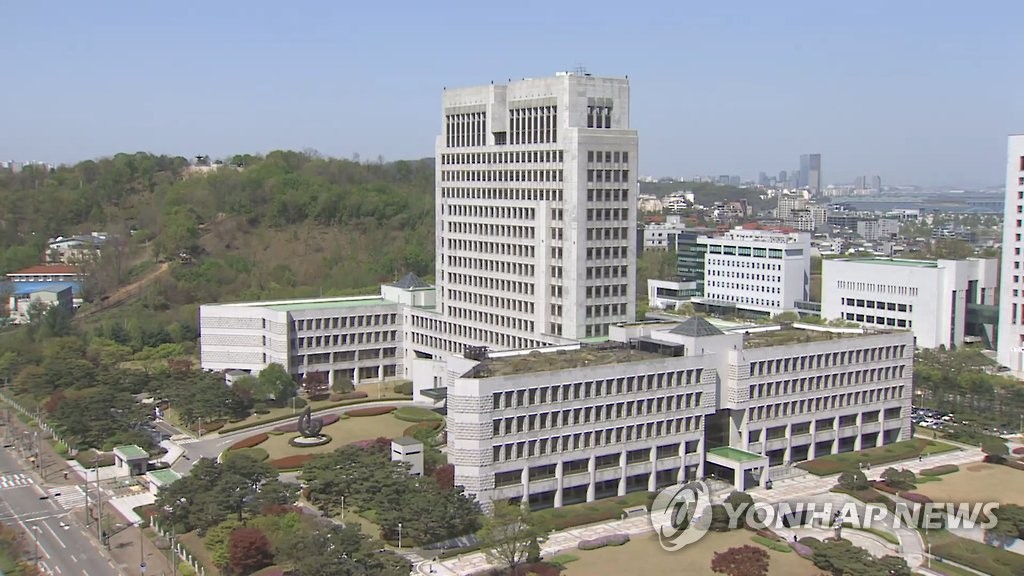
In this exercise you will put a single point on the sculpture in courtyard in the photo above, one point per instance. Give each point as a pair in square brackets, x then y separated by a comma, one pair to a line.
[308, 426]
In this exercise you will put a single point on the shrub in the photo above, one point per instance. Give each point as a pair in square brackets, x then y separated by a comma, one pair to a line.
[853, 480]
[293, 426]
[371, 411]
[803, 550]
[417, 414]
[297, 402]
[771, 544]
[883, 487]
[250, 441]
[356, 395]
[420, 428]
[85, 458]
[766, 533]
[260, 408]
[1018, 450]
[293, 462]
[404, 388]
[185, 569]
[258, 453]
[916, 498]
[940, 470]
[610, 540]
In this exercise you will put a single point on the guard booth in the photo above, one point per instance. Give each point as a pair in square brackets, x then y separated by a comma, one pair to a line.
[745, 468]
[130, 460]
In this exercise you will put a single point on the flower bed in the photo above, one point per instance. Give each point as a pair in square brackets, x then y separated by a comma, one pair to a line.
[1019, 450]
[293, 462]
[411, 431]
[916, 498]
[327, 419]
[258, 453]
[803, 550]
[883, 487]
[610, 540]
[371, 411]
[940, 470]
[250, 441]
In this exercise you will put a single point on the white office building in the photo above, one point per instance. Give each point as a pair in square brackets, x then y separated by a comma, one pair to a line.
[663, 403]
[661, 236]
[763, 271]
[1010, 351]
[928, 297]
[883, 228]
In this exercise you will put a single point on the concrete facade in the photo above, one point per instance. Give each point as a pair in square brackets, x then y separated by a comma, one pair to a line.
[927, 297]
[1010, 348]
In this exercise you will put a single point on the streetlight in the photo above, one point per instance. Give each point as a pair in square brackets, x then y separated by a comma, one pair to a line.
[342, 509]
[142, 553]
[399, 534]
[35, 536]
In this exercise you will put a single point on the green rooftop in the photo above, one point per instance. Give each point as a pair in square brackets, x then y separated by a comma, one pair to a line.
[165, 476]
[132, 452]
[735, 454]
[787, 336]
[894, 262]
[325, 304]
[538, 361]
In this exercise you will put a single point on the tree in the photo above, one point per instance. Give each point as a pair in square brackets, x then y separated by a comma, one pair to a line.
[741, 561]
[444, 475]
[248, 551]
[275, 382]
[719, 519]
[1009, 521]
[314, 384]
[899, 479]
[995, 449]
[841, 558]
[853, 481]
[508, 533]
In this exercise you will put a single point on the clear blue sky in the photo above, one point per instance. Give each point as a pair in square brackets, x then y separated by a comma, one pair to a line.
[918, 91]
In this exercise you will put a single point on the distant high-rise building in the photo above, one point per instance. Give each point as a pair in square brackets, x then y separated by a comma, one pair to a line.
[876, 183]
[810, 173]
[783, 178]
[860, 183]
[762, 179]
[735, 180]
[1010, 342]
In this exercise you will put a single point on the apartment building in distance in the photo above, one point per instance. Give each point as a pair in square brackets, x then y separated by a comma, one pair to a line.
[798, 212]
[1010, 351]
[765, 272]
[942, 302]
[662, 403]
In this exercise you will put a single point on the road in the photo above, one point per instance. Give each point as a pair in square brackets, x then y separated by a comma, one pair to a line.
[212, 446]
[65, 549]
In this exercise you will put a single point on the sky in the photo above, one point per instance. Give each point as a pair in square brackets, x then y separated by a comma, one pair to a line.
[919, 92]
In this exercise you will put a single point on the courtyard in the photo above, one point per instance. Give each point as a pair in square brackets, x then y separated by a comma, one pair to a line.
[978, 482]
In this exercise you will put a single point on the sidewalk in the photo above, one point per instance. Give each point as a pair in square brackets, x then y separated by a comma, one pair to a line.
[124, 549]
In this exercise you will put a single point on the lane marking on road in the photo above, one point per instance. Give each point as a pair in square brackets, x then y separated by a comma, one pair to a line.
[55, 537]
[73, 559]
[56, 567]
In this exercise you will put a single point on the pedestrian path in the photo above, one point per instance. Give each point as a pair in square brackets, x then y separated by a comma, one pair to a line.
[68, 497]
[8, 481]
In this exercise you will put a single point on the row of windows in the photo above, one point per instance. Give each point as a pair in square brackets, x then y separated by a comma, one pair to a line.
[605, 233]
[522, 156]
[483, 247]
[734, 263]
[490, 283]
[524, 306]
[600, 310]
[834, 402]
[824, 381]
[464, 332]
[504, 176]
[338, 322]
[774, 253]
[743, 275]
[599, 214]
[349, 355]
[607, 176]
[826, 360]
[606, 291]
[503, 212]
[597, 272]
[488, 265]
[822, 424]
[346, 339]
[528, 195]
[599, 116]
[859, 303]
[881, 288]
[607, 195]
[741, 299]
[497, 230]
[595, 389]
[744, 287]
[584, 440]
[490, 318]
[607, 156]
[880, 320]
[534, 125]
[468, 129]
[595, 330]
[586, 415]
[607, 253]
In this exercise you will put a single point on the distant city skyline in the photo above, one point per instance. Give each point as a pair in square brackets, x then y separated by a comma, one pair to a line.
[717, 89]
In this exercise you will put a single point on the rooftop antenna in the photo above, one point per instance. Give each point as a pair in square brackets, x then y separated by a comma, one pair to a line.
[580, 70]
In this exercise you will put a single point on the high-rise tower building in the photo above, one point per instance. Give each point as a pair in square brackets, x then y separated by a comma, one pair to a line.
[1010, 346]
[810, 173]
[536, 209]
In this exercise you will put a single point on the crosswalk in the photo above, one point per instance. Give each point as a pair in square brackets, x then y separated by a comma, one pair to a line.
[67, 496]
[8, 481]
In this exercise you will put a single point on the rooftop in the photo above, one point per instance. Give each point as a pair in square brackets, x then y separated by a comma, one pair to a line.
[25, 288]
[537, 361]
[411, 282]
[131, 452]
[165, 476]
[789, 335]
[735, 454]
[330, 303]
[695, 326]
[407, 441]
[43, 269]
[893, 262]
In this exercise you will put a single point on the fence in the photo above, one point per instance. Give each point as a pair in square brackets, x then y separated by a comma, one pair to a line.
[39, 422]
[179, 549]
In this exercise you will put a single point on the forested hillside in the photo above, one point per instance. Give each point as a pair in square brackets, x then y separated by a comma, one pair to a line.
[288, 224]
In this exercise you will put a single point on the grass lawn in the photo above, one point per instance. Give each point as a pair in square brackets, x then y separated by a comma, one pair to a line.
[979, 482]
[850, 461]
[986, 559]
[591, 512]
[342, 432]
[194, 544]
[385, 390]
[644, 555]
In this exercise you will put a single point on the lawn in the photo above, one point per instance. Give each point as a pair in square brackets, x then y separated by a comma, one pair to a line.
[194, 544]
[985, 559]
[644, 555]
[590, 512]
[341, 432]
[978, 483]
[849, 461]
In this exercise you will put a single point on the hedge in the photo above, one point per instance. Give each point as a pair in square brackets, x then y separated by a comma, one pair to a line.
[883, 487]
[771, 544]
[404, 388]
[417, 414]
[258, 453]
[610, 540]
[940, 470]
[250, 441]
[371, 411]
[354, 395]
[293, 462]
[803, 550]
[264, 422]
[916, 498]
[412, 430]
[327, 419]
